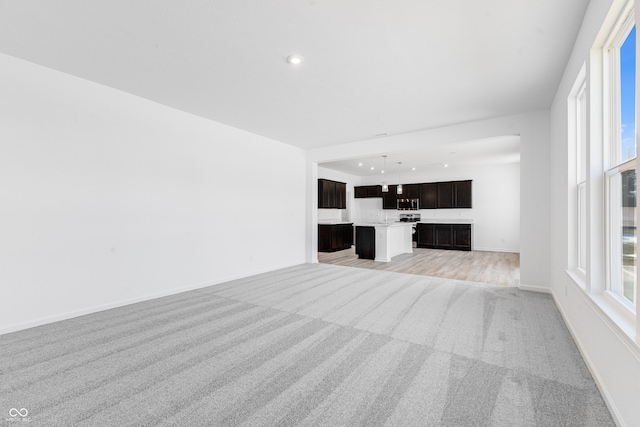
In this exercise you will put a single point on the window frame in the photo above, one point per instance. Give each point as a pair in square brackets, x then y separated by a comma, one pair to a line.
[611, 86]
[618, 315]
[613, 252]
[581, 140]
[613, 160]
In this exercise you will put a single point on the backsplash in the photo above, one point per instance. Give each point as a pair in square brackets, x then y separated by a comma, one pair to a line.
[330, 214]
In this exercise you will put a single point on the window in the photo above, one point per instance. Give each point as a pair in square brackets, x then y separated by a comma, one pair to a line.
[577, 176]
[627, 75]
[621, 236]
[602, 175]
[620, 178]
[581, 175]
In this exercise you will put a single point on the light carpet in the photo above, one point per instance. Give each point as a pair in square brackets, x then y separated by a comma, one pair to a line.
[311, 345]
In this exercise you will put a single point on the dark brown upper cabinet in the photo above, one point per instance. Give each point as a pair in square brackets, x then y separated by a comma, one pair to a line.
[410, 191]
[445, 195]
[429, 195]
[360, 192]
[366, 191]
[390, 198]
[462, 194]
[332, 194]
[454, 194]
[432, 195]
[341, 195]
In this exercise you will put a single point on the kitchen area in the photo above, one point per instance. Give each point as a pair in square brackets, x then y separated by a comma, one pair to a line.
[443, 220]
[397, 227]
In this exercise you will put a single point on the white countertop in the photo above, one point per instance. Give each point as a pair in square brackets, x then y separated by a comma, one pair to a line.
[334, 222]
[446, 221]
[382, 224]
[400, 223]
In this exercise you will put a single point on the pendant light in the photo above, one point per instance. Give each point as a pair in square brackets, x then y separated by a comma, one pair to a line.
[385, 187]
[399, 182]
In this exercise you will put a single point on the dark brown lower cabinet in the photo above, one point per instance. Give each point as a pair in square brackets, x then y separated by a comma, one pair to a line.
[444, 236]
[425, 235]
[334, 237]
[461, 237]
[366, 242]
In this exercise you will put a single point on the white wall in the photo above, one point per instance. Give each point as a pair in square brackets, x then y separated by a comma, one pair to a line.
[611, 355]
[533, 129]
[106, 198]
[496, 203]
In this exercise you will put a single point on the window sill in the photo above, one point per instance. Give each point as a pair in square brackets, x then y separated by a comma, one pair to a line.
[620, 318]
[578, 277]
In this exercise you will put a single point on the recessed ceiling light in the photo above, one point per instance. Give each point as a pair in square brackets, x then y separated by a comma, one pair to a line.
[372, 168]
[446, 165]
[413, 169]
[360, 164]
[295, 59]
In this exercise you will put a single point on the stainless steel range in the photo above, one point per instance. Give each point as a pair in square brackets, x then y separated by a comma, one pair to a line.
[412, 217]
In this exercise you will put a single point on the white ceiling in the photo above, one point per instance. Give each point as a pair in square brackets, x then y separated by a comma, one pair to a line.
[488, 151]
[371, 66]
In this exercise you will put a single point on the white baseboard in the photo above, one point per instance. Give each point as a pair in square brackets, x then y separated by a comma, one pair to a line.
[89, 310]
[534, 288]
[513, 251]
[594, 372]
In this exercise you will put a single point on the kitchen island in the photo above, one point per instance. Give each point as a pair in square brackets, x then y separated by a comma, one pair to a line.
[383, 241]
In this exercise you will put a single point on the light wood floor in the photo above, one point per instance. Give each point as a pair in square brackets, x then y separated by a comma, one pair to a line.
[499, 268]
